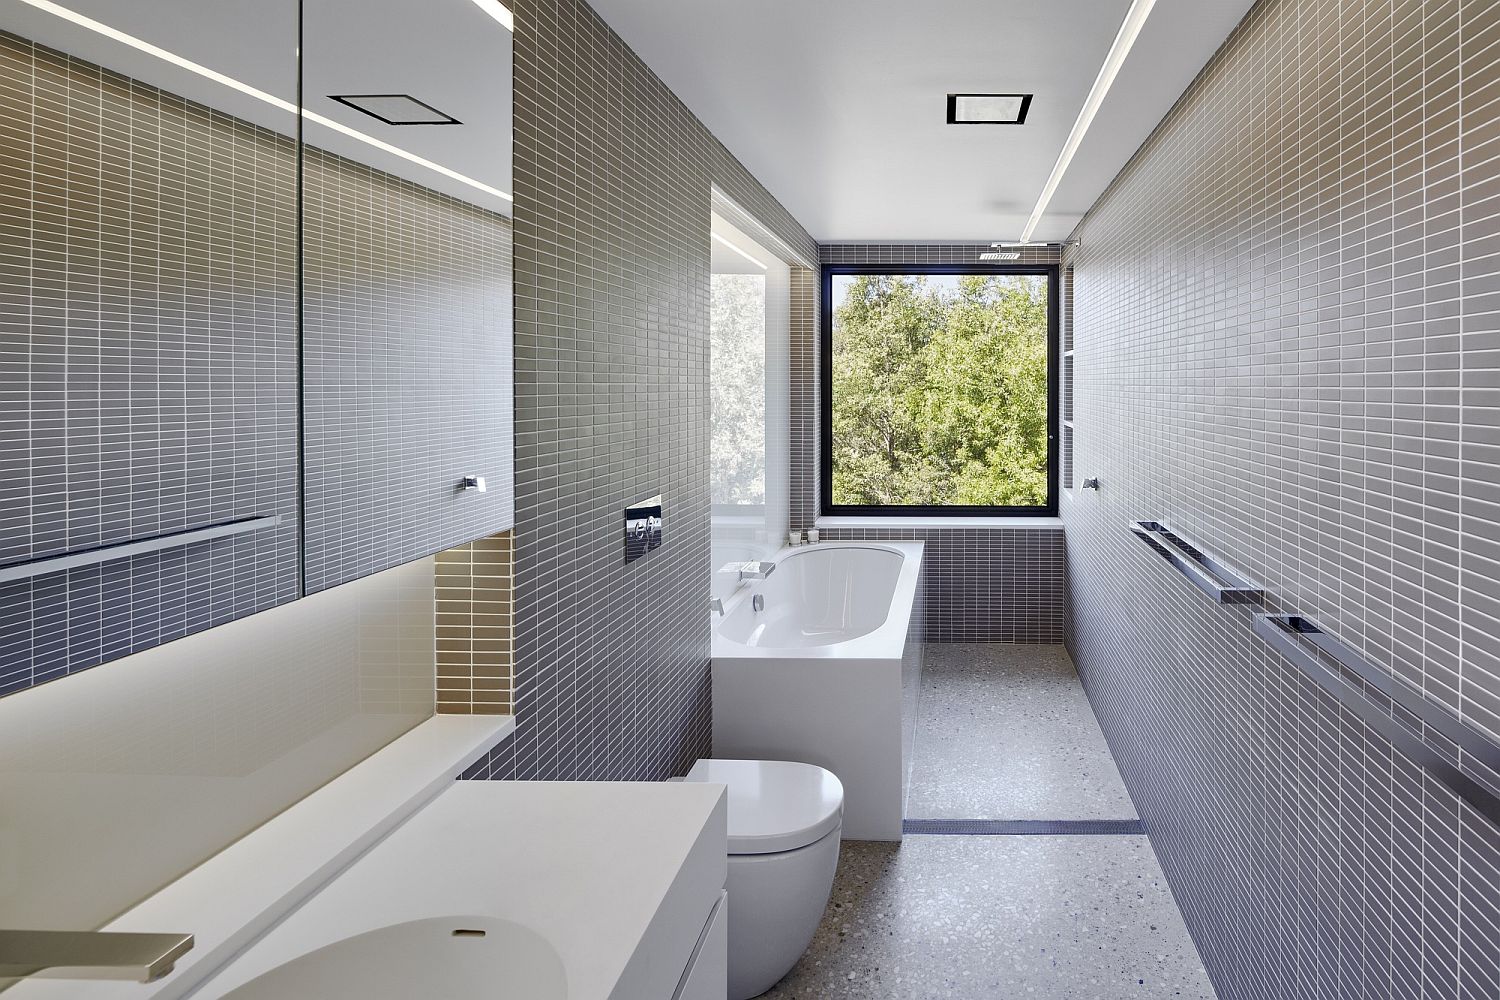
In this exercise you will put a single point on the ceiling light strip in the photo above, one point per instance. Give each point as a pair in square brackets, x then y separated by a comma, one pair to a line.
[98, 27]
[1135, 19]
[141, 45]
[737, 250]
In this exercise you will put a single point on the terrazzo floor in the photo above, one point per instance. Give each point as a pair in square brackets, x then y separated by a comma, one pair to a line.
[1004, 732]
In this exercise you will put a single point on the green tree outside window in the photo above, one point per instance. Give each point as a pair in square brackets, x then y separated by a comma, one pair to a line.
[940, 390]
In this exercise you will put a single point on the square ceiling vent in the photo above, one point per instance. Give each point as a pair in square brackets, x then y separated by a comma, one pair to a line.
[396, 109]
[988, 109]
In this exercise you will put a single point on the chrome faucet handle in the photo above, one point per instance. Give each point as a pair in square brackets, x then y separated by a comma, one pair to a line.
[95, 954]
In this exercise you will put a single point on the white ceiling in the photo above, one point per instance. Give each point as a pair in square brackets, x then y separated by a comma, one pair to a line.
[838, 106]
[448, 53]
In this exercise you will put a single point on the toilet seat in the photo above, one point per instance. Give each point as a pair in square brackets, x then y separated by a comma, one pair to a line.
[775, 805]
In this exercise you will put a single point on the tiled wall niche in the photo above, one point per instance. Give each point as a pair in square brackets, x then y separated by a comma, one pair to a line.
[475, 649]
[614, 180]
[1287, 349]
[982, 584]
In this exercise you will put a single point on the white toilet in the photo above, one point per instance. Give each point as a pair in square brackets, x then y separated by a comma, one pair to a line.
[784, 824]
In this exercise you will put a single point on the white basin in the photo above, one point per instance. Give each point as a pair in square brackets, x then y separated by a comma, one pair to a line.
[437, 958]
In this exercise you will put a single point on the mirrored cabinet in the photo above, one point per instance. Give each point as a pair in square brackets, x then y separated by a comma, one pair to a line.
[255, 308]
[406, 278]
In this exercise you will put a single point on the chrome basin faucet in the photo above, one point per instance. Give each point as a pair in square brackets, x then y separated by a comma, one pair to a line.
[95, 954]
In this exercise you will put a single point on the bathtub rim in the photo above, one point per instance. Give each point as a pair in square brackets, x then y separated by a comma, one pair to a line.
[886, 642]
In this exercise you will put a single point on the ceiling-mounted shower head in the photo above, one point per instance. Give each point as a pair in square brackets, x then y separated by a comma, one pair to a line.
[1021, 245]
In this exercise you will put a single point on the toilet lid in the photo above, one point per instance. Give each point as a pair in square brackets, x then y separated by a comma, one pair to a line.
[775, 805]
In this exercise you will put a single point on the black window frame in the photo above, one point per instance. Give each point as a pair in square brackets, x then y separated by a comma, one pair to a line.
[825, 416]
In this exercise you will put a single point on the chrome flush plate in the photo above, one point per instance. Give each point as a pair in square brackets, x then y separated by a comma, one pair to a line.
[643, 524]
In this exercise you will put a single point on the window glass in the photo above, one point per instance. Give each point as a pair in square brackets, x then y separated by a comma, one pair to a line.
[937, 394]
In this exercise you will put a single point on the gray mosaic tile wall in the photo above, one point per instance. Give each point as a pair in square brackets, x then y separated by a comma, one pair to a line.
[982, 584]
[407, 332]
[853, 254]
[146, 386]
[802, 371]
[1288, 348]
[613, 188]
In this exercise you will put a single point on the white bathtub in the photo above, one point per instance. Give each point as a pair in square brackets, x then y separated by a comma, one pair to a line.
[828, 672]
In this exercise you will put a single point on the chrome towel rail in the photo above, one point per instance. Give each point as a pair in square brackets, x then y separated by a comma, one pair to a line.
[1301, 640]
[109, 553]
[1206, 573]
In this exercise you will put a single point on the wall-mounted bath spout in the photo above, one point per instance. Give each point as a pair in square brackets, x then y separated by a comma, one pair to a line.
[95, 954]
[714, 604]
[753, 570]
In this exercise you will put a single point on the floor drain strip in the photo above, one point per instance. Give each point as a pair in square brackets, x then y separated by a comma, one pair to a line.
[1021, 827]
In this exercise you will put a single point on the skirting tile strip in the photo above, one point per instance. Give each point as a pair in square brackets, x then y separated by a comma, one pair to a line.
[1020, 827]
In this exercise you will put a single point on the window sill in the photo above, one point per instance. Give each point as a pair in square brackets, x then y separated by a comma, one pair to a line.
[874, 521]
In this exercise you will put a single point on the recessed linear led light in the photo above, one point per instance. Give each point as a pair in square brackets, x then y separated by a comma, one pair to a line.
[140, 45]
[396, 109]
[499, 12]
[988, 109]
[1130, 30]
[721, 240]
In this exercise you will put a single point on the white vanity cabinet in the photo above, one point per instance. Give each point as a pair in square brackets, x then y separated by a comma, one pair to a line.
[707, 974]
[623, 880]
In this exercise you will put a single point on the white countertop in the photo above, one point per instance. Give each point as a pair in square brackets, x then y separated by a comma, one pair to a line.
[231, 898]
[618, 876]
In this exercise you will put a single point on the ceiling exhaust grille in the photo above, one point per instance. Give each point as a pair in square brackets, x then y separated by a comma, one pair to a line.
[396, 109]
[998, 255]
[988, 109]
